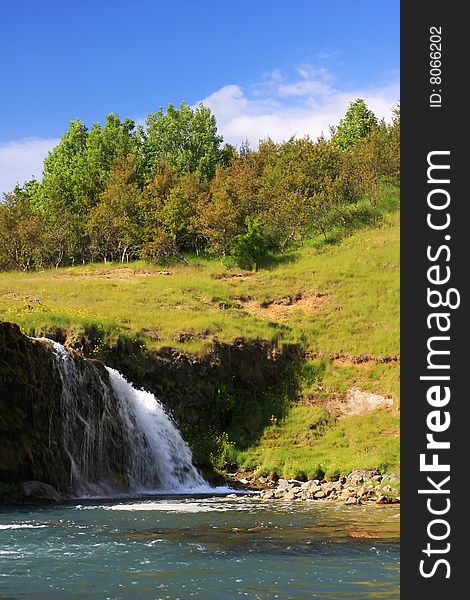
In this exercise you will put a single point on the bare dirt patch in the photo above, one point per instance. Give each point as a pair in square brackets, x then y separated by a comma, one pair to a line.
[352, 403]
[283, 308]
[358, 402]
[126, 273]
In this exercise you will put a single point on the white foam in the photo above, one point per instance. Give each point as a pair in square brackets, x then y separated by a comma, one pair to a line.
[209, 505]
[187, 491]
[193, 507]
[21, 526]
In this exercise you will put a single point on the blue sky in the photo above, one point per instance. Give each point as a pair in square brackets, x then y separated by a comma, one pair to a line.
[265, 67]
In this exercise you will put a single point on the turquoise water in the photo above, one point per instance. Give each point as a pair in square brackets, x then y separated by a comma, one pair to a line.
[206, 548]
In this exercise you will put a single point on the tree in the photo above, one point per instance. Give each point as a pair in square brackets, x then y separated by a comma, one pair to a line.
[394, 143]
[30, 191]
[152, 201]
[116, 191]
[228, 153]
[160, 246]
[356, 125]
[240, 182]
[185, 139]
[113, 224]
[64, 167]
[65, 235]
[21, 235]
[179, 209]
[216, 221]
[104, 145]
[76, 170]
[284, 187]
[374, 161]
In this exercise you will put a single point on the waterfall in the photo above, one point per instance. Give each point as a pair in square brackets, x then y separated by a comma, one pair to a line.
[118, 439]
[159, 453]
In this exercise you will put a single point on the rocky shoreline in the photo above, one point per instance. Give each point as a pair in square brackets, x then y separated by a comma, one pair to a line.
[358, 488]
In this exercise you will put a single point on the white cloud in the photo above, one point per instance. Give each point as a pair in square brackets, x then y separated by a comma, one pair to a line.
[279, 108]
[20, 160]
[305, 89]
[309, 72]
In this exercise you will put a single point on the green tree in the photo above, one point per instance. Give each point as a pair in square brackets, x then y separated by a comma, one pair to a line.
[76, 170]
[30, 191]
[114, 223]
[284, 188]
[65, 234]
[394, 143]
[215, 221]
[356, 125]
[117, 191]
[185, 139]
[300, 189]
[374, 162]
[64, 167]
[151, 204]
[105, 144]
[240, 182]
[160, 246]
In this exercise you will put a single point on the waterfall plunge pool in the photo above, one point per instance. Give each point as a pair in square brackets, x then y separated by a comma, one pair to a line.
[213, 548]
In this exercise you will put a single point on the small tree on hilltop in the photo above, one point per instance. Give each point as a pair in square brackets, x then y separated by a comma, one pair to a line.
[357, 124]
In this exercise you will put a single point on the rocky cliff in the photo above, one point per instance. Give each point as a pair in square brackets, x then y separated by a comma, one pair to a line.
[32, 419]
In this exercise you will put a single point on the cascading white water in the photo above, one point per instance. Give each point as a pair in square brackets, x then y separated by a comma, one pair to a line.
[160, 455]
[148, 443]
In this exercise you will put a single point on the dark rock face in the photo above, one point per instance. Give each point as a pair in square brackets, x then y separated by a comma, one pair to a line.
[30, 427]
[184, 383]
[40, 433]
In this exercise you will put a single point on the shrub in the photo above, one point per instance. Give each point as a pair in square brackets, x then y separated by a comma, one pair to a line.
[249, 249]
[301, 476]
[317, 472]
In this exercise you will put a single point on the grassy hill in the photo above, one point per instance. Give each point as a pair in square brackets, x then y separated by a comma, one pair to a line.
[339, 302]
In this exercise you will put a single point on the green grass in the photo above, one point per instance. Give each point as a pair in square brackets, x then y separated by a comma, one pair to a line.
[356, 281]
[377, 378]
[309, 443]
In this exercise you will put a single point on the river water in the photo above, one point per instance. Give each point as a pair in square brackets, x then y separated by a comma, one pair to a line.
[215, 548]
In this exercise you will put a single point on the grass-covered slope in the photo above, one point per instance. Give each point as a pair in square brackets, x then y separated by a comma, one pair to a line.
[339, 302]
[351, 298]
[299, 447]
